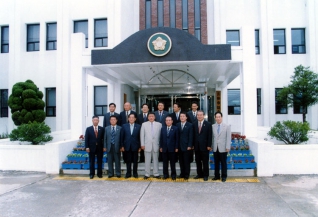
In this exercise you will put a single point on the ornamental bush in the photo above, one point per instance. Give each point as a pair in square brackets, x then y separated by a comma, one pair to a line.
[26, 103]
[33, 132]
[290, 132]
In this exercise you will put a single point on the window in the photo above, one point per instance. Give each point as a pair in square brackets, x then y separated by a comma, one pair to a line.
[160, 13]
[233, 37]
[4, 103]
[100, 100]
[257, 50]
[172, 11]
[280, 107]
[82, 26]
[234, 101]
[33, 37]
[298, 41]
[197, 19]
[279, 41]
[50, 102]
[101, 33]
[298, 109]
[148, 14]
[51, 36]
[185, 15]
[5, 39]
[259, 100]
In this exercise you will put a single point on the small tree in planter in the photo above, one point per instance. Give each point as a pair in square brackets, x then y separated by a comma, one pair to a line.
[290, 132]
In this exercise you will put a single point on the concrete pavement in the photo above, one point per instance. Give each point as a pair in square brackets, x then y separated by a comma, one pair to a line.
[37, 194]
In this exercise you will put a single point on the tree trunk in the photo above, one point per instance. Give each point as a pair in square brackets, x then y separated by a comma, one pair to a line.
[304, 117]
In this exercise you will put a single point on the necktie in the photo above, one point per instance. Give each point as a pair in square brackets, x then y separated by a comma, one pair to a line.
[182, 125]
[145, 117]
[96, 132]
[200, 126]
[131, 128]
[160, 114]
[152, 129]
[218, 128]
[193, 114]
[177, 114]
[112, 141]
[168, 131]
[111, 114]
[127, 116]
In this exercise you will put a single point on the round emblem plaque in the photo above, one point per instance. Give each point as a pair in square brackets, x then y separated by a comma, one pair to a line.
[159, 44]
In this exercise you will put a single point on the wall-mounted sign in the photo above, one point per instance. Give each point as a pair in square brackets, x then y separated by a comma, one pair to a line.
[218, 100]
[159, 44]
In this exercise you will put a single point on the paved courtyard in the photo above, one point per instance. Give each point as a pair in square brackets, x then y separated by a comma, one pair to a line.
[37, 194]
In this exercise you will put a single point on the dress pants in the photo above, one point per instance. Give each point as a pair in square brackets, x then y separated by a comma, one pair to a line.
[131, 158]
[169, 156]
[220, 157]
[113, 156]
[142, 156]
[99, 152]
[184, 161]
[154, 156]
[202, 162]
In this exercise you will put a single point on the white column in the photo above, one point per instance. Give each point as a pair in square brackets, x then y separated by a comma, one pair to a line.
[248, 80]
[77, 96]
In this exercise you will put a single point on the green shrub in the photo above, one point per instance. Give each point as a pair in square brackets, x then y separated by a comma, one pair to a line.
[33, 132]
[290, 132]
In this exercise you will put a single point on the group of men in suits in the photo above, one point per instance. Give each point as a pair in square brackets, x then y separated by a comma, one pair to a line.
[174, 135]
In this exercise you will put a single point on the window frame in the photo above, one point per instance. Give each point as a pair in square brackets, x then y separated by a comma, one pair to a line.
[51, 40]
[297, 108]
[148, 7]
[184, 14]
[277, 47]
[98, 38]
[239, 39]
[4, 108]
[47, 107]
[3, 43]
[281, 105]
[298, 45]
[172, 19]
[257, 45]
[160, 13]
[236, 106]
[197, 19]
[259, 100]
[103, 106]
[33, 42]
[86, 35]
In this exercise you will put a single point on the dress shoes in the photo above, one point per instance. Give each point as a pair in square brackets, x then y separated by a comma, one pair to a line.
[173, 178]
[198, 177]
[118, 176]
[205, 179]
[180, 177]
[186, 177]
[223, 179]
[110, 177]
[91, 176]
[127, 176]
[135, 175]
[157, 177]
[146, 177]
[100, 176]
[214, 179]
[165, 177]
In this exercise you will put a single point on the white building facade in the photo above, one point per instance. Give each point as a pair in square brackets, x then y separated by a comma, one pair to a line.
[53, 42]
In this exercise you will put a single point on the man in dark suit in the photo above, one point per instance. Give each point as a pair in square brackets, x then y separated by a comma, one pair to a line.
[161, 114]
[143, 117]
[169, 140]
[176, 113]
[202, 142]
[112, 146]
[192, 115]
[130, 144]
[112, 108]
[124, 114]
[185, 145]
[94, 138]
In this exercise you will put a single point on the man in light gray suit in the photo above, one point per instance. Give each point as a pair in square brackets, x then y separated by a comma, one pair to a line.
[149, 141]
[221, 145]
[112, 146]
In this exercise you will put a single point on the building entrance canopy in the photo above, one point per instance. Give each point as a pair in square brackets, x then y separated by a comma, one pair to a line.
[187, 67]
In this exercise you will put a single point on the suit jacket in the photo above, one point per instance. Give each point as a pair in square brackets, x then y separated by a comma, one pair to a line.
[174, 118]
[203, 139]
[123, 117]
[163, 117]
[185, 136]
[151, 142]
[190, 116]
[140, 119]
[130, 142]
[91, 140]
[106, 119]
[221, 140]
[108, 137]
[170, 142]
